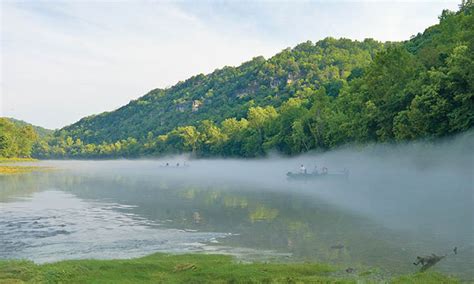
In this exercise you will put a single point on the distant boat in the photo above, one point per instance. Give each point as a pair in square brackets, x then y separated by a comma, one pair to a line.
[175, 166]
[325, 175]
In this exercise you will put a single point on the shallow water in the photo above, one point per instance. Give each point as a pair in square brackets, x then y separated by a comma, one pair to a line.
[122, 209]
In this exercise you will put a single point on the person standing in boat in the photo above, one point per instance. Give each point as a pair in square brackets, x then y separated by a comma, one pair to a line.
[302, 169]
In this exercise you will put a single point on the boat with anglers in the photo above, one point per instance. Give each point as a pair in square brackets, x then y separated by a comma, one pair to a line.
[316, 175]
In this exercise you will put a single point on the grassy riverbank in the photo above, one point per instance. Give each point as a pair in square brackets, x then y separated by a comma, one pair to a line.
[16, 160]
[17, 169]
[10, 170]
[191, 268]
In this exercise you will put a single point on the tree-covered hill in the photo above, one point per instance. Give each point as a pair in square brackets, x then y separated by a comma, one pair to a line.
[230, 91]
[313, 96]
[40, 131]
[16, 138]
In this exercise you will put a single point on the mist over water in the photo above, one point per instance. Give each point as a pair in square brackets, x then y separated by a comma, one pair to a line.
[399, 201]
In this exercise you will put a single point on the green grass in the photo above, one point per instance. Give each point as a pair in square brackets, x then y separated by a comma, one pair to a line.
[10, 170]
[189, 268]
[424, 277]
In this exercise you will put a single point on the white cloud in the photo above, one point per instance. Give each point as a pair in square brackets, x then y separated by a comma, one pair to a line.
[65, 60]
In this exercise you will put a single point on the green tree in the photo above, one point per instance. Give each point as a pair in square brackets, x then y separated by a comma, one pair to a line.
[386, 85]
[461, 86]
[190, 137]
[213, 139]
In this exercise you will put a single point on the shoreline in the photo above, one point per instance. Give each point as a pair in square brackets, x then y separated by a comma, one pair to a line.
[9, 166]
[196, 268]
[17, 160]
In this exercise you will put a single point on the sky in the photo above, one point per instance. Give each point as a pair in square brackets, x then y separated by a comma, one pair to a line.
[63, 60]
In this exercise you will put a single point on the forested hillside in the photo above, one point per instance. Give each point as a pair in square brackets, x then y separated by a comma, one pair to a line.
[313, 96]
[230, 91]
[16, 140]
[40, 131]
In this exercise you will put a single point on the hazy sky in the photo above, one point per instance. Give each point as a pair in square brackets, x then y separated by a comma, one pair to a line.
[62, 60]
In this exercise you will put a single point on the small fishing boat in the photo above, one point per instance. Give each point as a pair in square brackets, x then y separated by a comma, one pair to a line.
[175, 166]
[324, 175]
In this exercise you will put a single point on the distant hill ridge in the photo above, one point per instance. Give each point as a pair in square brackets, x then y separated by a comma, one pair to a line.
[41, 131]
[228, 92]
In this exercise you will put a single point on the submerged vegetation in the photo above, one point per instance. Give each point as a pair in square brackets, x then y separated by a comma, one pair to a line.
[191, 268]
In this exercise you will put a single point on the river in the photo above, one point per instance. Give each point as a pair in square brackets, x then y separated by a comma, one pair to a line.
[382, 217]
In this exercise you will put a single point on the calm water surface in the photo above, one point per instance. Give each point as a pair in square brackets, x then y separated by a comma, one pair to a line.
[123, 209]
